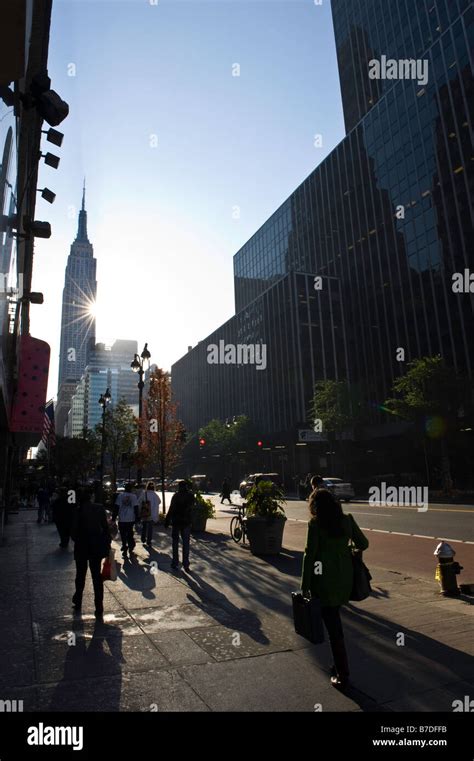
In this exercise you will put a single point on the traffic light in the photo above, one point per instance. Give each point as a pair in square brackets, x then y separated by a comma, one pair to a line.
[202, 442]
[260, 444]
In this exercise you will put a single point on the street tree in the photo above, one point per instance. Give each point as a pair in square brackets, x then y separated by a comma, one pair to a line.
[338, 408]
[433, 396]
[120, 434]
[74, 458]
[229, 437]
[162, 432]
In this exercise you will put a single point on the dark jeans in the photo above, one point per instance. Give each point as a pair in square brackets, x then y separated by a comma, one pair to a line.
[126, 535]
[81, 571]
[43, 512]
[332, 620]
[185, 533]
[64, 533]
[147, 531]
[227, 497]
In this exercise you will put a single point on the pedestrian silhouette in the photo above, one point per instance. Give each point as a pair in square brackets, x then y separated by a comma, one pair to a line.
[331, 534]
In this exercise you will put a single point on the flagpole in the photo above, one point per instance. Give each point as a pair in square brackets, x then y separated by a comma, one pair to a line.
[48, 467]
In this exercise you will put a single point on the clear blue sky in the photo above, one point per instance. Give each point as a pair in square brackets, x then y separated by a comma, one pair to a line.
[160, 218]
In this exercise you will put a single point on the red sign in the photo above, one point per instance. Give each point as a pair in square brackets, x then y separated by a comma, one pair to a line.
[27, 414]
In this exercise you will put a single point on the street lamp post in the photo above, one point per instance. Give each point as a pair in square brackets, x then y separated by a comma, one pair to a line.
[103, 401]
[137, 366]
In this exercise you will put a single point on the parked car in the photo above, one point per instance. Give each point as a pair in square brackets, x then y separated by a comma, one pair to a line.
[249, 481]
[342, 490]
[200, 482]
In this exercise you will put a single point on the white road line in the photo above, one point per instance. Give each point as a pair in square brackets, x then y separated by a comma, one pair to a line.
[397, 533]
[445, 539]
[418, 536]
[380, 515]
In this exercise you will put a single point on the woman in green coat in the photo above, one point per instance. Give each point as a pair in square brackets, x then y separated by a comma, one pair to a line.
[327, 569]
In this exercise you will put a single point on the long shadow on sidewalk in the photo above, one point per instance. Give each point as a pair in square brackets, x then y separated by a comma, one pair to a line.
[413, 672]
[96, 653]
[223, 611]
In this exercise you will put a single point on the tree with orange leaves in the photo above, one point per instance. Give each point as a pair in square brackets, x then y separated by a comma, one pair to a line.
[162, 433]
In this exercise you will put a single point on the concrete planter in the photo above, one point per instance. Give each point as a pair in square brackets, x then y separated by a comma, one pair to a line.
[198, 524]
[265, 535]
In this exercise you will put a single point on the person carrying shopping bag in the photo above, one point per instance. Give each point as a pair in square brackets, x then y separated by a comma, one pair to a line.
[328, 571]
[149, 512]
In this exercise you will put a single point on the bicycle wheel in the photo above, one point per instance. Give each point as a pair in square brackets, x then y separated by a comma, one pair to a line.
[236, 529]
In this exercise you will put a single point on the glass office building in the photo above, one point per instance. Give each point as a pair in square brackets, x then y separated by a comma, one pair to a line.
[398, 29]
[303, 335]
[108, 367]
[387, 215]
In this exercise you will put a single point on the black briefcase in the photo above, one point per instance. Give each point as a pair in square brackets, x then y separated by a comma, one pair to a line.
[307, 617]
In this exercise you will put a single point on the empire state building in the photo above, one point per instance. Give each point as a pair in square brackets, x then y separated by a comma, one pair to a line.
[77, 319]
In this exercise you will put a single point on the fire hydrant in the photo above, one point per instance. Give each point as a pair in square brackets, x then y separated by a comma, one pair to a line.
[447, 570]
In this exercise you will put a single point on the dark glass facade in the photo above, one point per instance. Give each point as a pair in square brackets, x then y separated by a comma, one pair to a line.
[303, 332]
[367, 29]
[388, 214]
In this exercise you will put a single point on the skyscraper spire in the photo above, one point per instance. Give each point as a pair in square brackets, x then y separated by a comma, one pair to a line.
[82, 227]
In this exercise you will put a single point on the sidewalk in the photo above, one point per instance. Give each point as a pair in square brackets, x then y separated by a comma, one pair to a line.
[218, 639]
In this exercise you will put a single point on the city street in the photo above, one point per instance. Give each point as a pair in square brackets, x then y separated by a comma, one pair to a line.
[454, 522]
[221, 638]
[236, 260]
[400, 537]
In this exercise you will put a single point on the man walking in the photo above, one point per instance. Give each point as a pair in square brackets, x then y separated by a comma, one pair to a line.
[180, 517]
[226, 491]
[63, 516]
[90, 532]
[149, 512]
[126, 507]
[43, 503]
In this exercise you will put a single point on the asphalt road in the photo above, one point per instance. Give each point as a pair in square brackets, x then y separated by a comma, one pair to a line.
[455, 522]
[401, 539]
[450, 522]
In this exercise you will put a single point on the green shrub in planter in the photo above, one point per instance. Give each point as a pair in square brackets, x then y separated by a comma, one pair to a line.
[202, 510]
[265, 518]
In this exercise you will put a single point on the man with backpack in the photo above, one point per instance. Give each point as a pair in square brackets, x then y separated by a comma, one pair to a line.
[180, 517]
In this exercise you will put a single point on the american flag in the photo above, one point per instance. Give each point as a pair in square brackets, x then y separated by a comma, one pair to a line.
[49, 436]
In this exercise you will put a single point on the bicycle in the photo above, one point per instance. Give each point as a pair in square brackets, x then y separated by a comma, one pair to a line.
[238, 527]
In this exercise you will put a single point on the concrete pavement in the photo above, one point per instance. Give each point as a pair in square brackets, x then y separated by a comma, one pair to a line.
[220, 638]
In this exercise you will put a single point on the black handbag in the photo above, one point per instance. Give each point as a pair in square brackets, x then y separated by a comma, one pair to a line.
[307, 617]
[361, 588]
